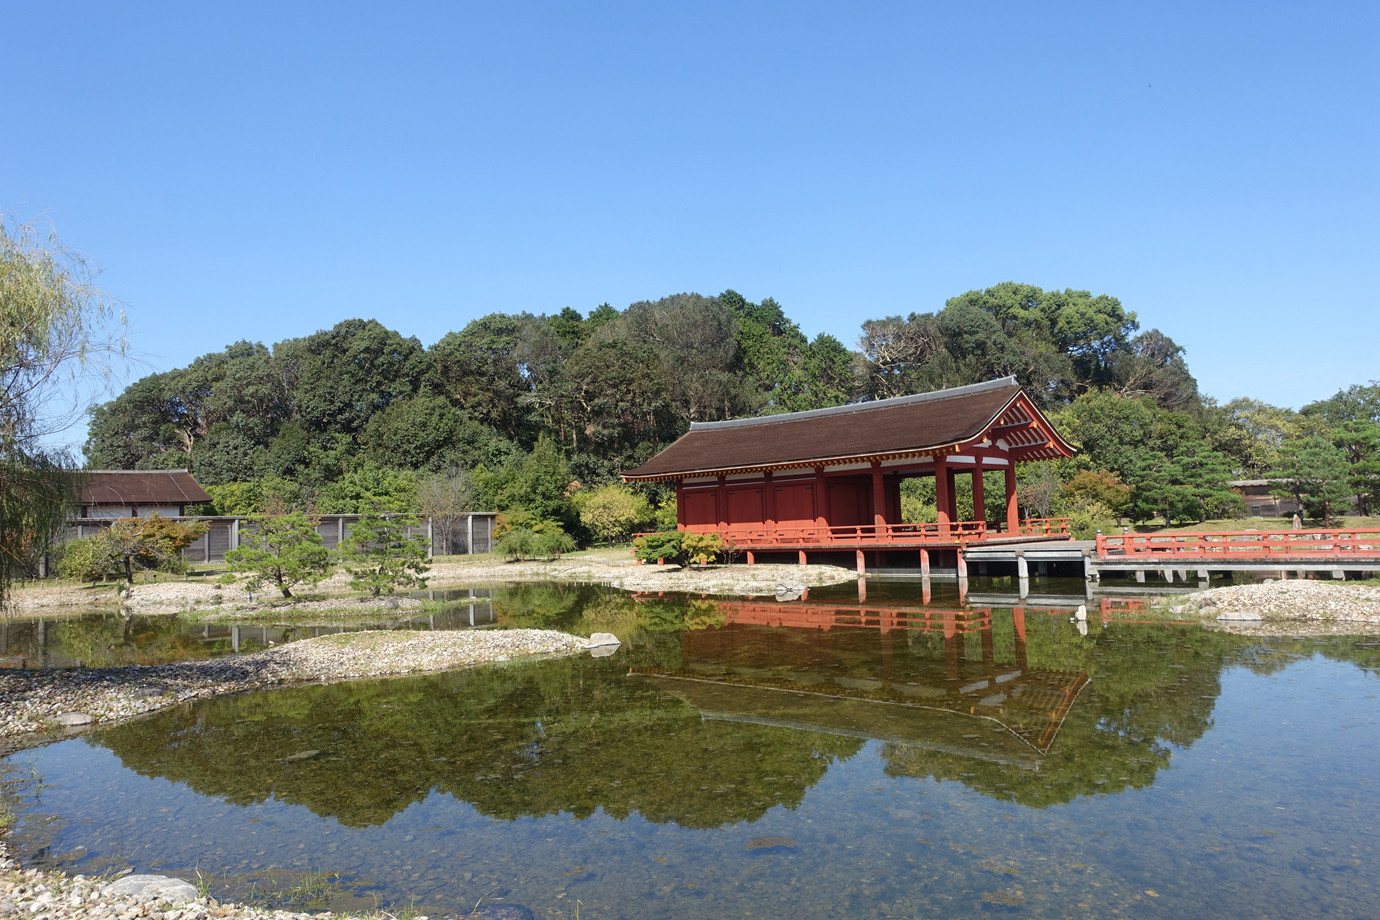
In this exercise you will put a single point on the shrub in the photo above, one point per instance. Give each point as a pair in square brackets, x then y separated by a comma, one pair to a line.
[655, 547]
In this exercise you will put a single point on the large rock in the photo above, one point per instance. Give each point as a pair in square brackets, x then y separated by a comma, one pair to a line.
[602, 644]
[1239, 615]
[154, 888]
[72, 719]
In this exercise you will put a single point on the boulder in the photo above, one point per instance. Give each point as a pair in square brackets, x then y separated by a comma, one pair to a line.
[154, 888]
[72, 719]
[1238, 615]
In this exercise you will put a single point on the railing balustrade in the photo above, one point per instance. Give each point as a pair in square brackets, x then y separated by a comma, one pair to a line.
[1243, 544]
[792, 535]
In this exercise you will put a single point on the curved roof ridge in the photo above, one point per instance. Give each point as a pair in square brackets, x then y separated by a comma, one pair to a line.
[849, 408]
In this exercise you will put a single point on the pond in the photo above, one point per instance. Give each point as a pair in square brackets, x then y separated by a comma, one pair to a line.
[102, 639]
[818, 758]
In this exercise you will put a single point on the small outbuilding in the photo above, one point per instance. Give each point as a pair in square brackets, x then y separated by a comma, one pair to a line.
[139, 493]
[831, 478]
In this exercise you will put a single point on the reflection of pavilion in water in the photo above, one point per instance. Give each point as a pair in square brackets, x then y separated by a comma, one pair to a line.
[950, 680]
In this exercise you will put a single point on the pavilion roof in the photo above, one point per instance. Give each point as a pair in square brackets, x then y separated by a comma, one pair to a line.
[141, 487]
[944, 421]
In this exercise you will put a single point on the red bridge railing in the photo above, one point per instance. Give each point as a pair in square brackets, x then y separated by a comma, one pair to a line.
[1245, 544]
[791, 535]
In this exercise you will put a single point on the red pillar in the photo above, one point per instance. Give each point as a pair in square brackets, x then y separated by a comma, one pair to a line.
[862, 566]
[979, 501]
[941, 494]
[821, 499]
[878, 498]
[1013, 516]
[723, 504]
[953, 495]
[769, 501]
[680, 504]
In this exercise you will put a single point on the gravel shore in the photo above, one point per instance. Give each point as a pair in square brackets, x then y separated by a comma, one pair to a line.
[44, 701]
[38, 705]
[608, 567]
[1293, 607]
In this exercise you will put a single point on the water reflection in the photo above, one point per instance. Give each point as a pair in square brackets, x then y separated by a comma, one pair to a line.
[815, 758]
[103, 639]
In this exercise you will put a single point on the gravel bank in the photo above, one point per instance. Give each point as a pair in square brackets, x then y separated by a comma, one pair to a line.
[66, 701]
[1294, 606]
[43, 895]
[49, 700]
[609, 567]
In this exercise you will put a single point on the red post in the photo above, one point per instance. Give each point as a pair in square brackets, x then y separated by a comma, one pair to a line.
[1013, 516]
[802, 557]
[878, 498]
[979, 503]
[752, 560]
[941, 494]
[862, 565]
[769, 501]
[723, 503]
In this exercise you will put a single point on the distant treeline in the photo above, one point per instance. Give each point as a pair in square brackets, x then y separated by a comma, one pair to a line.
[346, 416]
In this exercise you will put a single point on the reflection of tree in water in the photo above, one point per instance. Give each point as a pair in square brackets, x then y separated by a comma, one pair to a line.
[566, 736]
[1153, 688]
[107, 640]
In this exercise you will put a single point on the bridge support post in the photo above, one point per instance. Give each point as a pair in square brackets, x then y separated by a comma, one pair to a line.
[1169, 575]
[924, 563]
[1140, 576]
[752, 560]
[1339, 574]
[962, 564]
[802, 557]
[862, 564]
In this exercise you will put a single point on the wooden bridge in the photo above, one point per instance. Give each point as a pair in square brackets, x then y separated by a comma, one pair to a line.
[1334, 552]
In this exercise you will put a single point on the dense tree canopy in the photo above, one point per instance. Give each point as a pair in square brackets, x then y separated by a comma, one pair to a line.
[540, 407]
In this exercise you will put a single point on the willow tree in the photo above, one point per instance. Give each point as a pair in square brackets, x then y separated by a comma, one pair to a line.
[57, 329]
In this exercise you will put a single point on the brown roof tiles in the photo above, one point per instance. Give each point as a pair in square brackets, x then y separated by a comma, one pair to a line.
[903, 425]
[141, 487]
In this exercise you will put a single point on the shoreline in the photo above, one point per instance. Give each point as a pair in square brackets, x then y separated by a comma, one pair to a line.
[100, 697]
[107, 696]
[613, 568]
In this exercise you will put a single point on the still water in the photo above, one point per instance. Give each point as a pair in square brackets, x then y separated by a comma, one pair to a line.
[816, 758]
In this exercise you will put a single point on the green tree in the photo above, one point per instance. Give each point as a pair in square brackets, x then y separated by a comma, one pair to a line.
[539, 483]
[523, 535]
[1360, 443]
[610, 512]
[342, 376]
[1204, 474]
[283, 550]
[384, 553]
[57, 330]
[129, 545]
[1102, 487]
[1315, 473]
[369, 486]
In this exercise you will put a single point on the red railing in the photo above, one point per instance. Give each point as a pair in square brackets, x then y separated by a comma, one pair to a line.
[790, 535]
[1044, 527]
[1245, 544]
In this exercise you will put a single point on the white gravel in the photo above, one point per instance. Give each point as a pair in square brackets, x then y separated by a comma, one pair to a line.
[1295, 601]
[33, 701]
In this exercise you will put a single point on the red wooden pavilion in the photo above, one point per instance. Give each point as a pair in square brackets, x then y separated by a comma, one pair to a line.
[831, 478]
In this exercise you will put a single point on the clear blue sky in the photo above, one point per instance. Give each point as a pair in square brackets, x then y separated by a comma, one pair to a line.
[263, 170]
